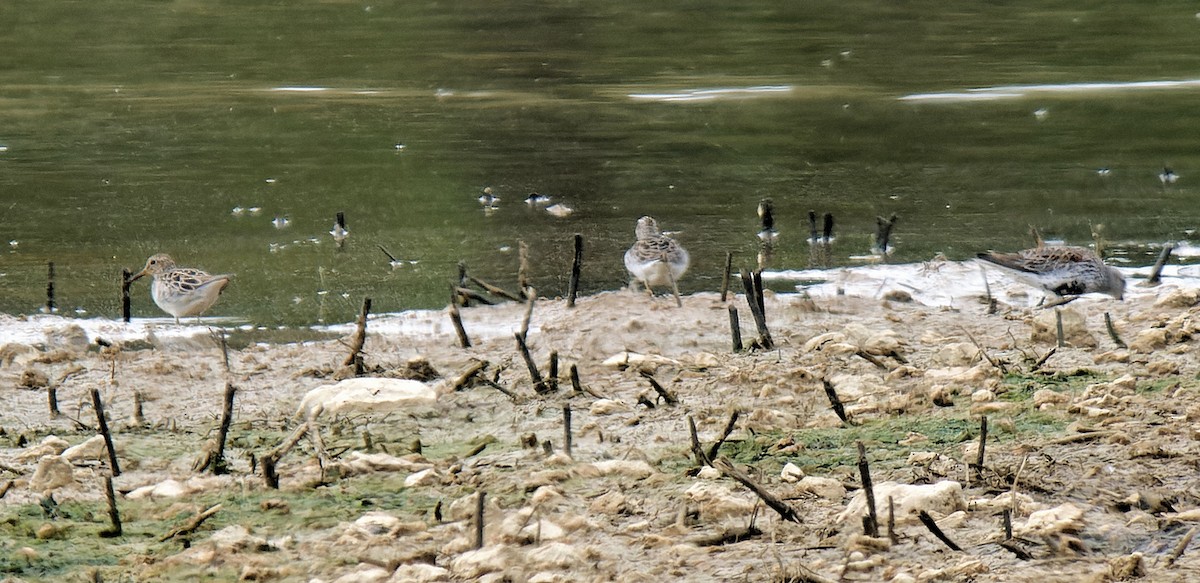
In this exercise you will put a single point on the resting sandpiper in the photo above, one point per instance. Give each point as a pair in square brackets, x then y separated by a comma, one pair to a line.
[1062, 271]
[656, 259]
[181, 291]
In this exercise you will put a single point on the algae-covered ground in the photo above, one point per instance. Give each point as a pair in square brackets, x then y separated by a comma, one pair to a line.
[1091, 449]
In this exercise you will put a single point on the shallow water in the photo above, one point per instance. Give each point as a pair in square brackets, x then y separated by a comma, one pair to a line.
[148, 129]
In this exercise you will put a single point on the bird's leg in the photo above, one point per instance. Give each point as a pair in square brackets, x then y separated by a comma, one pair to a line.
[675, 289]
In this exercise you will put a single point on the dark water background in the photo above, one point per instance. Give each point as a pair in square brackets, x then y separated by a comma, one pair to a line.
[134, 127]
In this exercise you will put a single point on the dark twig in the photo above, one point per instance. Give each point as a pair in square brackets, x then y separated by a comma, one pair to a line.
[567, 429]
[702, 459]
[871, 520]
[930, 524]
[126, 313]
[716, 446]
[360, 338]
[835, 402]
[552, 372]
[760, 322]
[1041, 361]
[1058, 327]
[494, 290]
[51, 307]
[576, 269]
[217, 463]
[479, 508]
[98, 405]
[983, 431]
[1156, 273]
[539, 384]
[464, 341]
[662, 392]
[272, 457]
[777, 504]
[1112, 331]
[735, 328]
[191, 525]
[114, 517]
[725, 277]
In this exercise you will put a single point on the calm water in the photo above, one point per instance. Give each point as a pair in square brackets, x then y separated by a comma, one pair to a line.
[129, 128]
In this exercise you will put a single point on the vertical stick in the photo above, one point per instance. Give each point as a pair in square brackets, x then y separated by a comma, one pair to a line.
[567, 429]
[735, 328]
[758, 294]
[539, 385]
[523, 267]
[756, 311]
[552, 374]
[812, 228]
[217, 462]
[456, 319]
[138, 415]
[531, 297]
[697, 451]
[1112, 331]
[983, 430]
[52, 401]
[827, 228]
[360, 338]
[1156, 273]
[1007, 524]
[725, 278]
[50, 305]
[834, 401]
[126, 312]
[576, 269]
[108, 442]
[891, 522]
[1058, 323]
[114, 517]
[479, 519]
[871, 521]
[575, 384]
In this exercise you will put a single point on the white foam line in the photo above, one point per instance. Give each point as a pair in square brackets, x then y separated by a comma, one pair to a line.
[960, 96]
[1012, 91]
[300, 89]
[709, 94]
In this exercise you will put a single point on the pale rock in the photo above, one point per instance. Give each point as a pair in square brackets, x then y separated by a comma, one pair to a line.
[419, 573]
[71, 338]
[1163, 368]
[237, 538]
[463, 508]
[705, 360]
[368, 395]
[709, 473]
[612, 502]
[169, 488]
[559, 459]
[1049, 397]
[638, 526]
[1149, 340]
[13, 354]
[718, 501]
[1178, 299]
[940, 498]
[1118, 356]
[791, 473]
[956, 354]
[901, 372]
[885, 343]
[521, 527]
[53, 472]
[555, 555]
[770, 419]
[1192, 515]
[827, 488]
[983, 396]
[1063, 518]
[476, 563]
[357, 462]
[1074, 325]
[365, 574]
[608, 407]
[839, 349]
[545, 478]
[816, 342]
[633, 359]
[427, 477]
[636, 469]
[92, 449]
[546, 496]
[373, 524]
[50, 445]
[920, 458]
[953, 520]
[1002, 502]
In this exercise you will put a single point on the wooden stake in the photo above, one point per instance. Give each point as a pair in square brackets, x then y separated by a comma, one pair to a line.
[494, 290]
[702, 458]
[479, 519]
[1182, 546]
[1156, 273]
[523, 268]
[575, 384]
[139, 418]
[52, 401]
[272, 457]
[456, 319]
[835, 402]
[126, 314]
[983, 430]
[360, 338]
[735, 328]
[1112, 331]
[576, 269]
[567, 429]
[1058, 323]
[539, 385]
[51, 307]
[217, 463]
[827, 228]
[764, 335]
[930, 524]
[552, 373]
[883, 233]
[891, 521]
[114, 517]
[1007, 519]
[108, 441]
[871, 521]
[531, 297]
[987, 288]
[812, 228]
[191, 525]
[725, 277]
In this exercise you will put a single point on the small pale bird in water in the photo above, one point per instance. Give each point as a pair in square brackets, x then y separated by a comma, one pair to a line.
[181, 291]
[655, 259]
[1060, 270]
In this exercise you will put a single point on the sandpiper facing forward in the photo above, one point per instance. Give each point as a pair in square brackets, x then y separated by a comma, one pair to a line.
[655, 259]
[181, 291]
[1062, 271]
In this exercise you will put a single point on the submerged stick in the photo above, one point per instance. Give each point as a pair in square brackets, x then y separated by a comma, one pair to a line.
[494, 290]
[360, 338]
[272, 457]
[191, 525]
[760, 322]
[567, 429]
[1112, 331]
[139, 418]
[98, 405]
[52, 401]
[531, 298]
[735, 328]
[930, 524]
[702, 458]
[51, 307]
[114, 517]
[552, 372]
[774, 502]
[1156, 273]
[576, 269]
[1058, 326]
[1182, 546]
[812, 227]
[725, 277]
[871, 521]
[523, 268]
[479, 508]
[217, 463]
[883, 232]
[827, 228]
[126, 314]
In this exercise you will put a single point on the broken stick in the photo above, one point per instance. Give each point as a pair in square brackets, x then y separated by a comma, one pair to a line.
[98, 405]
[777, 504]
